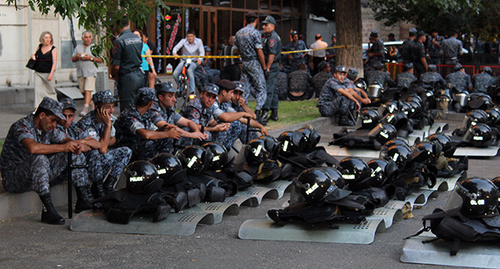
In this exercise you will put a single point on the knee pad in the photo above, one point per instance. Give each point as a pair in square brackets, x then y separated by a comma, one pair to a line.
[215, 194]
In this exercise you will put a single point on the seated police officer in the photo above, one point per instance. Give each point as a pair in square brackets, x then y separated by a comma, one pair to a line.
[238, 103]
[321, 77]
[337, 98]
[99, 125]
[165, 93]
[406, 78]
[459, 79]
[432, 78]
[378, 76]
[144, 130]
[34, 157]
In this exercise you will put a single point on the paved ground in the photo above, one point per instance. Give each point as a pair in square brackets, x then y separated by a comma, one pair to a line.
[27, 243]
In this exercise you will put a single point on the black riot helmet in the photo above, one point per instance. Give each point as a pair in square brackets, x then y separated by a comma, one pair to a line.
[290, 143]
[361, 83]
[335, 176]
[271, 144]
[312, 186]
[399, 154]
[398, 119]
[388, 107]
[142, 177]
[493, 116]
[195, 159]
[220, 155]
[442, 139]
[477, 198]
[382, 171]
[369, 118]
[356, 173]
[414, 97]
[312, 138]
[480, 136]
[167, 165]
[383, 132]
[430, 150]
[257, 151]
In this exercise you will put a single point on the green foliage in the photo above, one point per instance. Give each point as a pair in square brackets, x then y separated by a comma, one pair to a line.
[479, 17]
[99, 16]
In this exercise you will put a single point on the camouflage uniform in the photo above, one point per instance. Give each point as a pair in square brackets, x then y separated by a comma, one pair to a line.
[127, 125]
[432, 78]
[202, 116]
[406, 50]
[405, 79]
[236, 107]
[297, 58]
[99, 164]
[332, 103]
[282, 86]
[459, 80]
[435, 51]
[252, 75]
[22, 171]
[272, 45]
[319, 81]
[379, 77]
[482, 82]
[300, 81]
[226, 138]
[452, 48]
[377, 47]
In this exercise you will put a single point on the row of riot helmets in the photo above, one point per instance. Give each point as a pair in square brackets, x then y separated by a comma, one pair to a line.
[480, 128]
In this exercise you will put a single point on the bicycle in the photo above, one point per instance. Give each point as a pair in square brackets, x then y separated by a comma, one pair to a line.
[184, 92]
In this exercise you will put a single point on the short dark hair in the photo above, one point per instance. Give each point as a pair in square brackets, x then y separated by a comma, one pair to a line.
[250, 19]
[47, 112]
[191, 31]
[122, 22]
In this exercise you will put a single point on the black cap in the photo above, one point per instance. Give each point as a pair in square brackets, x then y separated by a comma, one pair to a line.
[458, 67]
[374, 33]
[52, 106]
[420, 33]
[294, 33]
[408, 66]
[225, 84]
[269, 19]
[68, 103]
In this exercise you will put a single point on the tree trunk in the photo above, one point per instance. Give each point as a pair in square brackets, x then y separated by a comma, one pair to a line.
[349, 32]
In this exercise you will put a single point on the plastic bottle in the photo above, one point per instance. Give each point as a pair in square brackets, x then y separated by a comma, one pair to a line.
[169, 69]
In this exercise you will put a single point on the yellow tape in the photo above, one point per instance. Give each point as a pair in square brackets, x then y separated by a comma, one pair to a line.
[234, 57]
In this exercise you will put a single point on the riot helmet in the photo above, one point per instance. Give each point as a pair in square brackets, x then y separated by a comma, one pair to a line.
[480, 136]
[356, 173]
[388, 107]
[312, 186]
[167, 165]
[369, 118]
[398, 119]
[493, 116]
[312, 138]
[335, 176]
[195, 158]
[430, 151]
[257, 151]
[220, 155]
[361, 83]
[383, 132]
[382, 171]
[474, 197]
[399, 154]
[142, 177]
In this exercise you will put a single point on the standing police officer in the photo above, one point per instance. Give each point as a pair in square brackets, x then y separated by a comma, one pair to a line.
[452, 48]
[418, 54]
[407, 45]
[376, 51]
[34, 156]
[298, 57]
[99, 125]
[126, 64]
[272, 54]
[434, 50]
[252, 74]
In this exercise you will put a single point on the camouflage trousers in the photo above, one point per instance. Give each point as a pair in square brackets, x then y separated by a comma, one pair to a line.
[243, 134]
[252, 76]
[100, 164]
[146, 149]
[227, 138]
[39, 172]
[339, 106]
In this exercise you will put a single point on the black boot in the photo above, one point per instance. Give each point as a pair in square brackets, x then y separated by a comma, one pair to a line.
[97, 190]
[84, 201]
[263, 118]
[109, 184]
[257, 115]
[274, 115]
[49, 212]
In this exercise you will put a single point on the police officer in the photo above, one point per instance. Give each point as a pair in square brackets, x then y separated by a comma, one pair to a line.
[418, 53]
[406, 78]
[165, 93]
[407, 45]
[483, 80]
[144, 130]
[378, 76]
[99, 125]
[299, 83]
[376, 51]
[249, 43]
[321, 77]
[459, 79]
[34, 157]
[126, 64]
[336, 98]
[298, 57]
[432, 78]
[272, 54]
[452, 49]
[434, 50]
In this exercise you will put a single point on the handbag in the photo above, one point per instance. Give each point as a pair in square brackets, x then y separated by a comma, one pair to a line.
[31, 64]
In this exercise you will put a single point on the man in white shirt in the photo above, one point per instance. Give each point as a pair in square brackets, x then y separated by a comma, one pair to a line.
[191, 46]
[318, 55]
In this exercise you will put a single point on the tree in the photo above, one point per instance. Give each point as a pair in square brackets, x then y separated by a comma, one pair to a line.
[467, 16]
[349, 32]
[99, 16]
